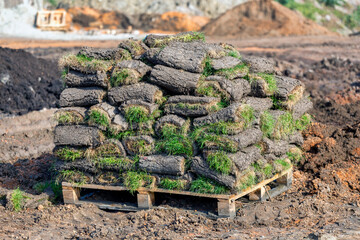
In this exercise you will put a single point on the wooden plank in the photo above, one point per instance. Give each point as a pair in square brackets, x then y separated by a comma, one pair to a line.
[106, 205]
[96, 187]
[194, 194]
[159, 190]
[54, 28]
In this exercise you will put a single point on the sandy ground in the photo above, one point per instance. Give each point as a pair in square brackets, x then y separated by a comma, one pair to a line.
[320, 205]
[18, 133]
[20, 43]
[311, 47]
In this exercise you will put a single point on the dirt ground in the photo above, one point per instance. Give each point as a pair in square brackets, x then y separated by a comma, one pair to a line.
[27, 136]
[322, 204]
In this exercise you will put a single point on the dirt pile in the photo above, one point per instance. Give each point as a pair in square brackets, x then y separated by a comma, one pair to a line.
[169, 22]
[209, 8]
[262, 18]
[27, 83]
[88, 18]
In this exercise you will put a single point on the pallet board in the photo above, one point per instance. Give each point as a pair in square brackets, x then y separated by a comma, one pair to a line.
[146, 196]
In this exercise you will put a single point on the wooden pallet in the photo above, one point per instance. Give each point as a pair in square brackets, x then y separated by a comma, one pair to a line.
[146, 196]
[52, 20]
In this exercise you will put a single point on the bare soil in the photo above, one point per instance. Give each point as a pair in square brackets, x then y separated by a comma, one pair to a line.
[27, 83]
[322, 204]
[27, 136]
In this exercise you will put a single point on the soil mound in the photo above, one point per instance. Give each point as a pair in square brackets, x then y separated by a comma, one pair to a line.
[169, 22]
[172, 22]
[262, 18]
[89, 18]
[27, 83]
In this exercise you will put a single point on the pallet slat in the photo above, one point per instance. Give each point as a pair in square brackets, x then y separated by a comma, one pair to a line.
[159, 190]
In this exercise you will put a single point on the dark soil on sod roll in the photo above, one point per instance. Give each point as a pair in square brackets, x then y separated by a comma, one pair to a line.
[27, 83]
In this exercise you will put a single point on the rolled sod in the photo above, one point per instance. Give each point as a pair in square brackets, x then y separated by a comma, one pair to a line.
[81, 97]
[163, 164]
[77, 136]
[174, 80]
[141, 91]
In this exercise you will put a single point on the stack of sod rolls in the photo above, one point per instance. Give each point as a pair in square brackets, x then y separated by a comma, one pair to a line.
[177, 113]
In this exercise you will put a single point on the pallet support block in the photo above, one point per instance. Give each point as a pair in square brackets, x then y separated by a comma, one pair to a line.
[257, 195]
[71, 195]
[286, 179]
[226, 208]
[284, 183]
[145, 200]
